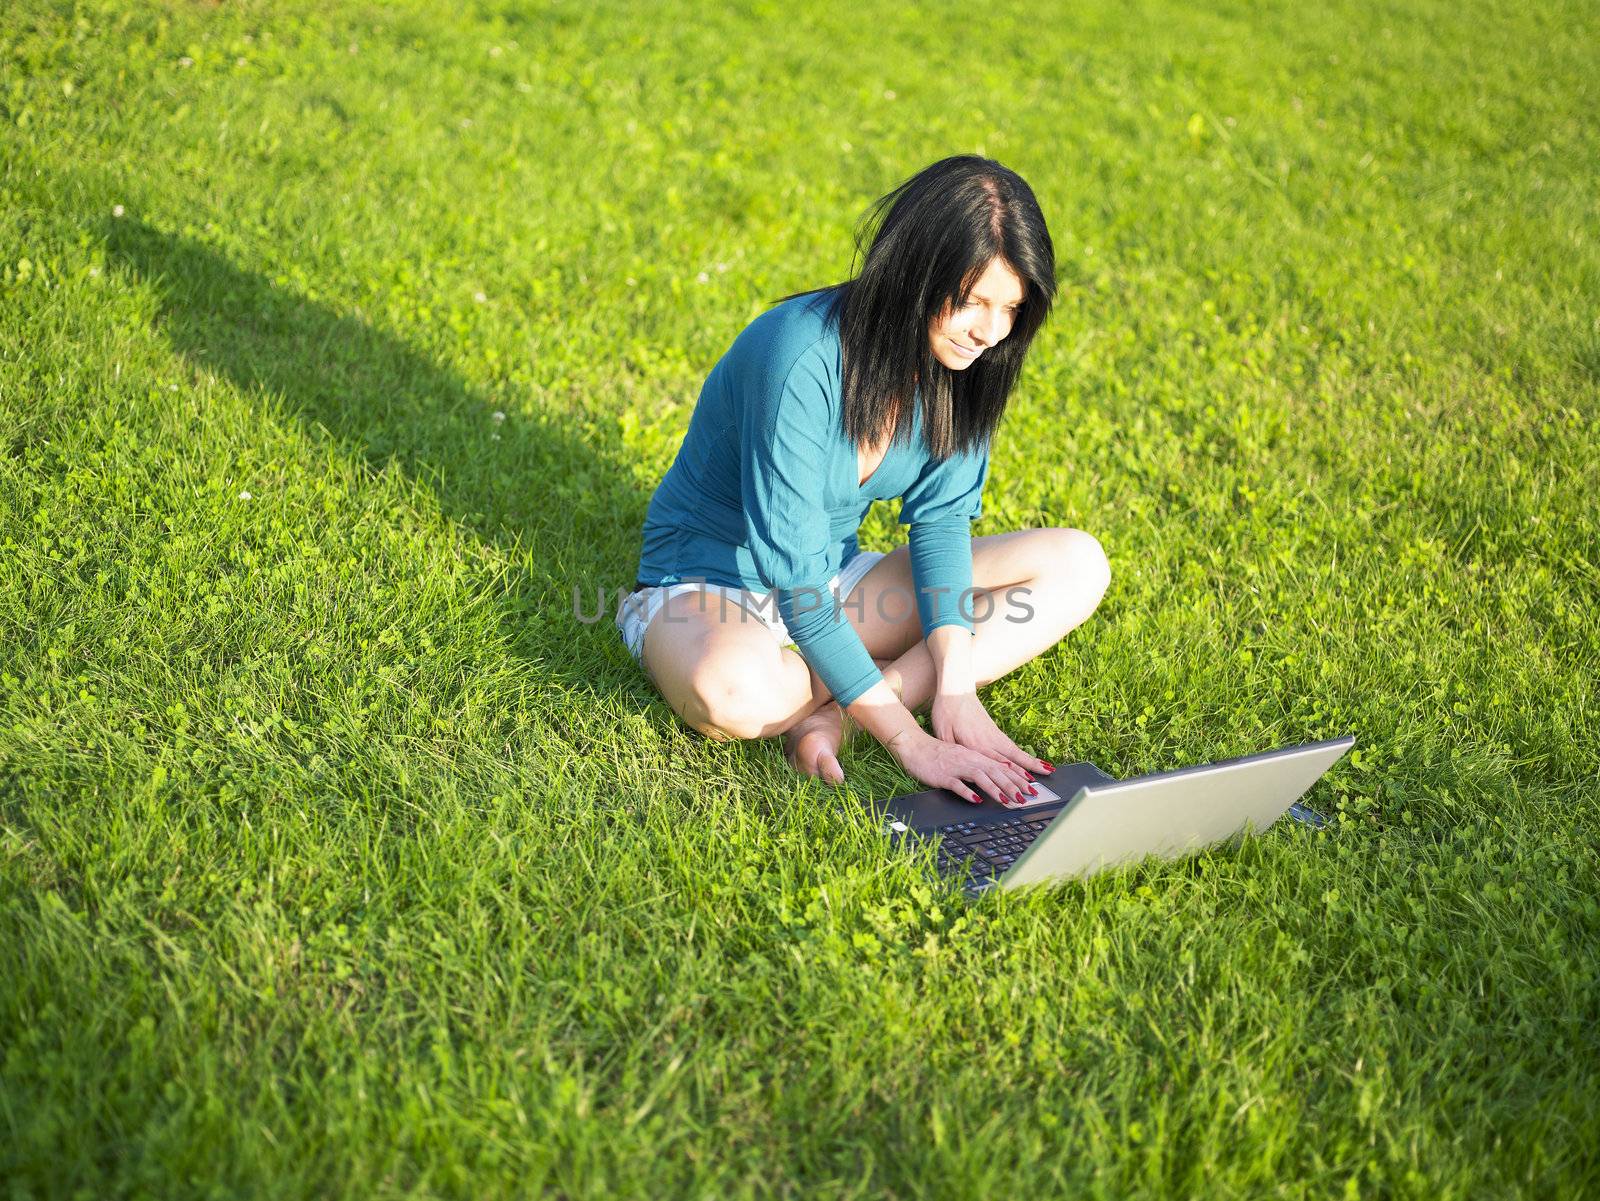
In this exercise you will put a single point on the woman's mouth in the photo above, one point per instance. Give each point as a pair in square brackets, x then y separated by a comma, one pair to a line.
[966, 352]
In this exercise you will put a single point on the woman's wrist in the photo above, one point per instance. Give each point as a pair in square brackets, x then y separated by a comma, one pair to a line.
[880, 712]
[950, 648]
[903, 739]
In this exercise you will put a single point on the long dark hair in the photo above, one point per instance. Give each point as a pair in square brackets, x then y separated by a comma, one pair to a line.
[930, 240]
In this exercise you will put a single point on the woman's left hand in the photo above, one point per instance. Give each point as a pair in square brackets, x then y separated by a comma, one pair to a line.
[960, 717]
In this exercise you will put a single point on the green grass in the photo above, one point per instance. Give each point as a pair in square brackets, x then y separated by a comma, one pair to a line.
[338, 859]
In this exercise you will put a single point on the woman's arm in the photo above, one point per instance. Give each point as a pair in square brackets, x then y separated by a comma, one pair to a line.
[951, 649]
[936, 762]
[940, 507]
[880, 713]
[784, 444]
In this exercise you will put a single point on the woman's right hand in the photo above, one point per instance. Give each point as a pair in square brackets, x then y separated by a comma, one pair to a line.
[941, 764]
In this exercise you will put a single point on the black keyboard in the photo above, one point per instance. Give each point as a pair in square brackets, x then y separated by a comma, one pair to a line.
[985, 849]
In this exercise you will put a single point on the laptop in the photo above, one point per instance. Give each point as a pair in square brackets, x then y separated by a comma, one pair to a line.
[1082, 821]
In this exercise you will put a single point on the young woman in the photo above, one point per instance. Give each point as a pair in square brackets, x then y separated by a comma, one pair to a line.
[756, 613]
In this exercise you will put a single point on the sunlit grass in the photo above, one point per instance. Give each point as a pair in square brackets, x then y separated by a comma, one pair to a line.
[337, 857]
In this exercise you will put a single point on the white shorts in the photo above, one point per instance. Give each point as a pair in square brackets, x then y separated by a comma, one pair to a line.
[637, 610]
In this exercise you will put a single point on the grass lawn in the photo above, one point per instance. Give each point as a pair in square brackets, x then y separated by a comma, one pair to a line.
[338, 857]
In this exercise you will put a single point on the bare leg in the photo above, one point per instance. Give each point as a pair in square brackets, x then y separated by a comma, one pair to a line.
[1020, 621]
[999, 645]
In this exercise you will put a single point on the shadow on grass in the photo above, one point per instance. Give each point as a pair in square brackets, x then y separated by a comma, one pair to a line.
[378, 398]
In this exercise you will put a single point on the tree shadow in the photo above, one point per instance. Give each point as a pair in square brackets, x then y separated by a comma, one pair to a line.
[555, 499]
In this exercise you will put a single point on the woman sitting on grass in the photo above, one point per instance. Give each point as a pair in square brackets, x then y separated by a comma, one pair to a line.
[756, 613]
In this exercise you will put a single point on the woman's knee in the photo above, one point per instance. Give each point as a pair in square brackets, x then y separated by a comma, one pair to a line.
[731, 701]
[1073, 574]
[1080, 559]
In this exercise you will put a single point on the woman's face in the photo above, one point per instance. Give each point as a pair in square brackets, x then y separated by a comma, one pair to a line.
[959, 335]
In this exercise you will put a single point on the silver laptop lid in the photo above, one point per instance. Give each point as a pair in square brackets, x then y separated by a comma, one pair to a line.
[1172, 813]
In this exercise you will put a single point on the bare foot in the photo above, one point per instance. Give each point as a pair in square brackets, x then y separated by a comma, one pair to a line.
[812, 744]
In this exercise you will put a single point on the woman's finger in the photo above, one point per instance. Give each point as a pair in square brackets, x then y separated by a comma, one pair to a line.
[969, 789]
[959, 783]
[1001, 778]
[1009, 774]
[1015, 756]
[994, 757]
[981, 759]
[1008, 794]
[984, 782]
[998, 753]
[1004, 776]
[1023, 768]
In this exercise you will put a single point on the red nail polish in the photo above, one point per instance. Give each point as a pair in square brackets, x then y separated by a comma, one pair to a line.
[1047, 766]
[974, 798]
[1029, 774]
[1033, 792]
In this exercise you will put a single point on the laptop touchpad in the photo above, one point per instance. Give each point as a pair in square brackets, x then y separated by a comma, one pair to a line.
[1044, 796]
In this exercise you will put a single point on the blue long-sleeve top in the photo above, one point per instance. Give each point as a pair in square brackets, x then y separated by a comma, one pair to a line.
[764, 494]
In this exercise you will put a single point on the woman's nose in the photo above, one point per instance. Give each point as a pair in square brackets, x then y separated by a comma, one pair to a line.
[989, 330]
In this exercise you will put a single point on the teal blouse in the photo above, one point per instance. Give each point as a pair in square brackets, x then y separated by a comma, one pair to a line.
[763, 494]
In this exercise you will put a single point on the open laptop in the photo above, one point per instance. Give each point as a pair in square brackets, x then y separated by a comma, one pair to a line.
[1082, 821]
